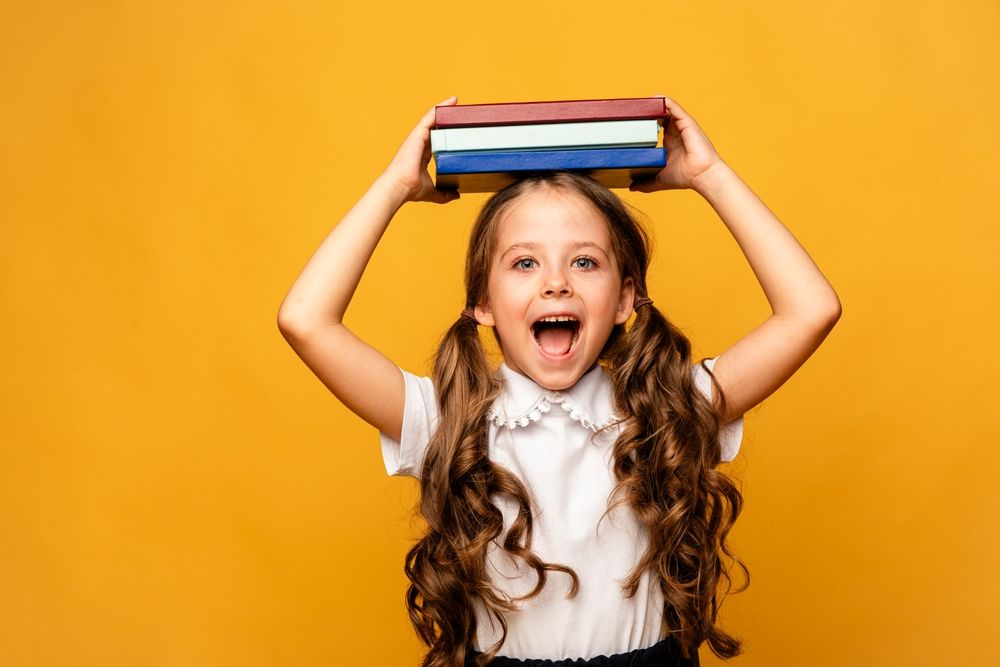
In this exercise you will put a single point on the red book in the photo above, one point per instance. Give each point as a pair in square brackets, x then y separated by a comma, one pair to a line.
[564, 111]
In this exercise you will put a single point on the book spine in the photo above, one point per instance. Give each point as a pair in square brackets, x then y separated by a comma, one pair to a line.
[514, 161]
[517, 113]
[627, 133]
[493, 181]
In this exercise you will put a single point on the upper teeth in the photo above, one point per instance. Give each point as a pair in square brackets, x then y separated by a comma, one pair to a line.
[559, 318]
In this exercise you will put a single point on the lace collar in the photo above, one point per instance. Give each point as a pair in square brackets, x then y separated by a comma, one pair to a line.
[522, 401]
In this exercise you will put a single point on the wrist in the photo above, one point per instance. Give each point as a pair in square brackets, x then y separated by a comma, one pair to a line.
[394, 190]
[708, 182]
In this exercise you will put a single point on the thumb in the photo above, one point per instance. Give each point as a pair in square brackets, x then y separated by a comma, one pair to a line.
[443, 196]
[429, 118]
[643, 185]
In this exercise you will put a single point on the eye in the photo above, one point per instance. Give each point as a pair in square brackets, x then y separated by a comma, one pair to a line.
[525, 263]
[585, 263]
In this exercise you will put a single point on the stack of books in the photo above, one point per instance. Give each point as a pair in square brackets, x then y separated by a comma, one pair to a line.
[483, 147]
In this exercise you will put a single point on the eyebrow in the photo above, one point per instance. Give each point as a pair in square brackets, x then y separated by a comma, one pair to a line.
[534, 246]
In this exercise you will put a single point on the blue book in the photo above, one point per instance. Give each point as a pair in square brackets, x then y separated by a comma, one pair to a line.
[488, 171]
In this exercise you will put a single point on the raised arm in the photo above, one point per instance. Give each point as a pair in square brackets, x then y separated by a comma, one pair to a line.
[804, 306]
[311, 315]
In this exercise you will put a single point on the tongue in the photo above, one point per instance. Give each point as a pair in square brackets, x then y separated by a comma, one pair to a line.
[556, 340]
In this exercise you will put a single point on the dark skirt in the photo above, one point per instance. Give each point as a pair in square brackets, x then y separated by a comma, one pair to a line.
[666, 653]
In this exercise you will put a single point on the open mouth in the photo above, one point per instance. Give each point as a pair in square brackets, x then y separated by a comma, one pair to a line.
[556, 335]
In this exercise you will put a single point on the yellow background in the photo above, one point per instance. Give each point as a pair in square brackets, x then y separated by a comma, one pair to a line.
[178, 489]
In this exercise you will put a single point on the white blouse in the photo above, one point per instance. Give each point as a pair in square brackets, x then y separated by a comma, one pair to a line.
[548, 439]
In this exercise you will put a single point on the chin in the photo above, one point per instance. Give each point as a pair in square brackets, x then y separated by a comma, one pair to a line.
[561, 376]
[560, 384]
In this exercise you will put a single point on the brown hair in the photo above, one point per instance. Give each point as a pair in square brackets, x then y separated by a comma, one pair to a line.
[664, 461]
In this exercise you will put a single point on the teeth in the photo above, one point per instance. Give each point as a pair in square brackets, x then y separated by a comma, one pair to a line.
[560, 318]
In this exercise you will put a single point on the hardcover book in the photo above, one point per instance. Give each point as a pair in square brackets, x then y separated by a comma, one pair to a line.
[561, 111]
[612, 134]
[490, 171]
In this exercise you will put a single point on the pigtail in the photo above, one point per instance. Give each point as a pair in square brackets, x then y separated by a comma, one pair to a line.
[665, 462]
[447, 567]
[438, 599]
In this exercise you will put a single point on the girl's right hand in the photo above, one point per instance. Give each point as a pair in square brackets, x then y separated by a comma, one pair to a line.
[408, 169]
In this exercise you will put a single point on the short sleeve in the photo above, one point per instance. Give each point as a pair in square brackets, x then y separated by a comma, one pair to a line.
[405, 456]
[731, 434]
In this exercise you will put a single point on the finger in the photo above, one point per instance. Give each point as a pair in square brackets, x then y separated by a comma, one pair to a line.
[682, 120]
[665, 100]
[442, 196]
[427, 122]
[661, 95]
[673, 108]
[642, 185]
[672, 134]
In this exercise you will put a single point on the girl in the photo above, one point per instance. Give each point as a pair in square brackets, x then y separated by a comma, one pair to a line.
[574, 510]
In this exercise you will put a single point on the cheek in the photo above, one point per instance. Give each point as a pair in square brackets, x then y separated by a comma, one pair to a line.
[508, 315]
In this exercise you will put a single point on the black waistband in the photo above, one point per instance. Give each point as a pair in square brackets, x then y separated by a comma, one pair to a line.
[666, 653]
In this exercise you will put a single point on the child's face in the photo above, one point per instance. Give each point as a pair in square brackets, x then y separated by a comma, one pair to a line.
[553, 259]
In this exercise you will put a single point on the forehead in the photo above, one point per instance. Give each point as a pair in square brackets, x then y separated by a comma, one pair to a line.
[550, 215]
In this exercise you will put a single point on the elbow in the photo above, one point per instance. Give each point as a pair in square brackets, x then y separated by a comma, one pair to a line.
[834, 311]
[820, 317]
[827, 317]
[289, 326]
[297, 327]
[292, 318]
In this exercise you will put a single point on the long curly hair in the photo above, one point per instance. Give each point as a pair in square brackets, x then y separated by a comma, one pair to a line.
[664, 461]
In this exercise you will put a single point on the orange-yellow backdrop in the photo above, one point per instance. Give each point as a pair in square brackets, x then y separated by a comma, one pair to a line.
[178, 489]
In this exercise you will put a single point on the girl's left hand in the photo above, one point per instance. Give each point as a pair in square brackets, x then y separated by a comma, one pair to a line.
[690, 155]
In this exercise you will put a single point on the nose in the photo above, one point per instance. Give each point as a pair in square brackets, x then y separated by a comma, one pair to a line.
[556, 284]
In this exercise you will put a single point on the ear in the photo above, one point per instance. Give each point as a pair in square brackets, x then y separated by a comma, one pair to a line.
[625, 302]
[484, 315]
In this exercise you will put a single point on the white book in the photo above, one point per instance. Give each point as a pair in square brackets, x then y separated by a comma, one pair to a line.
[548, 136]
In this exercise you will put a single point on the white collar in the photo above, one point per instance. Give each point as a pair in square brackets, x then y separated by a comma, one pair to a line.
[522, 401]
